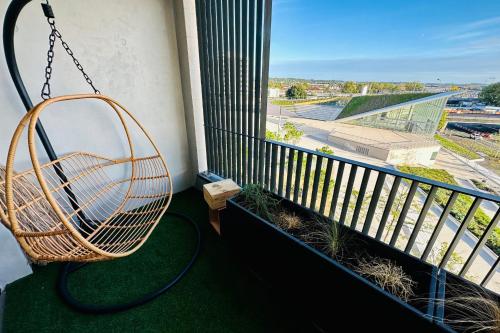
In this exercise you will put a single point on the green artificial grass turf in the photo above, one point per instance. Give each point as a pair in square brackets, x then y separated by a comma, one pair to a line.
[362, 104]
[217, 295]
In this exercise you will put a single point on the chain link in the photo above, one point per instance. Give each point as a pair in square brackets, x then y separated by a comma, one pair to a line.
[50, 58]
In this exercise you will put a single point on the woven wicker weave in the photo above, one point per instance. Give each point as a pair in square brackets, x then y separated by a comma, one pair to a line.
[113, 217]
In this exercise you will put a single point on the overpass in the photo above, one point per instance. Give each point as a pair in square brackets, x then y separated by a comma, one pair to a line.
[474, 118]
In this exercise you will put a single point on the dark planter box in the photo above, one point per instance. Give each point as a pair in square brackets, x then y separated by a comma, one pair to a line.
[331, 295]
[451, 285]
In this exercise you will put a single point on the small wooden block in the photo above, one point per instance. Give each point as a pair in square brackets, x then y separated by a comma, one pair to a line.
[217, 193]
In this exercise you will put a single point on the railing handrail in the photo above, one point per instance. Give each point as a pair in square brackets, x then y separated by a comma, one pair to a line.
[454, 188]
[234, 74]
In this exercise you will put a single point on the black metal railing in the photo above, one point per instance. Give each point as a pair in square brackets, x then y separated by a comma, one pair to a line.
[417, 215]
[449, 226]
[400, 209]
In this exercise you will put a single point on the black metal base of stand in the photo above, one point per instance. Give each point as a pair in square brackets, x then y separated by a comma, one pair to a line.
[69, 268]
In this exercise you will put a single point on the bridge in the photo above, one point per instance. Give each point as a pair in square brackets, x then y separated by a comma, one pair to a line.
[474, 118]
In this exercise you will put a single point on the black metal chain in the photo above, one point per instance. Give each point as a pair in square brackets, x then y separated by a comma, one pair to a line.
[54, 33]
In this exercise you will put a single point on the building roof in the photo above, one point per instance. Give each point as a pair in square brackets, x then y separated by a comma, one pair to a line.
[362, 106]
[380, 138]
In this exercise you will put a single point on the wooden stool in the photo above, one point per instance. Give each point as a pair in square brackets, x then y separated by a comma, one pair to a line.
[215, 195]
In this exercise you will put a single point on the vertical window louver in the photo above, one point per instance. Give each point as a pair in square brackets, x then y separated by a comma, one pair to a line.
[234, 38]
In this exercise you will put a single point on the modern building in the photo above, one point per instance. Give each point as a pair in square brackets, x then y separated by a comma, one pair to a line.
[389, 146]
[394, 128]
[274, 93]
[410, 113]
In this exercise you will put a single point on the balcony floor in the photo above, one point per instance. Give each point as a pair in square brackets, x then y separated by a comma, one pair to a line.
[217, 295]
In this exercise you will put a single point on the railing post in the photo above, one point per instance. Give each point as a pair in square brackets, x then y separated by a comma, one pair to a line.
[379, 185]
[404, 212]
[460, 232]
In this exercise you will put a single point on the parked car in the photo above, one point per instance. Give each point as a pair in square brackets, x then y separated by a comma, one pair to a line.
[475, 135]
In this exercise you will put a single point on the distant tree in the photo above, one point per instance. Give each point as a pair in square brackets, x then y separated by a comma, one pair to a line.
[376, 87]
[303, 85]
[395, 211]
[296, 91]
[442, 121]
[455, 260]
[391, 87]
[491, 94]
[292, 133]
[455, 88]
[413, 86]
[418, 86]
[270, 135]
[350, 87]
[275, 84]
[325, 150]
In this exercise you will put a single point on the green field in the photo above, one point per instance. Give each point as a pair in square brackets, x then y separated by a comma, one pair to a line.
[492, 151]
[480, 221]
[285, 102]
[289, 102]
[482, 186]
[439, 175]
[456, 148]
[361, 104]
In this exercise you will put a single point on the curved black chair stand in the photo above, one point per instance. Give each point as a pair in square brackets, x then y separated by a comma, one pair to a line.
[66, 269]
[13, 11]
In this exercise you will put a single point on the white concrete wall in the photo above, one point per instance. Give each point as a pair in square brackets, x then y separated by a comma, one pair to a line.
[187, 42]
[419, 156]
[129, 48]
[358, 147]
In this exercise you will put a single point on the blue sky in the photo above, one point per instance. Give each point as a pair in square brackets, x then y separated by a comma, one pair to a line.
[387, 40]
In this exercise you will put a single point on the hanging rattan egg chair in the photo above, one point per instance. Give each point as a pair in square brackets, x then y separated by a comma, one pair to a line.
[75, 208]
